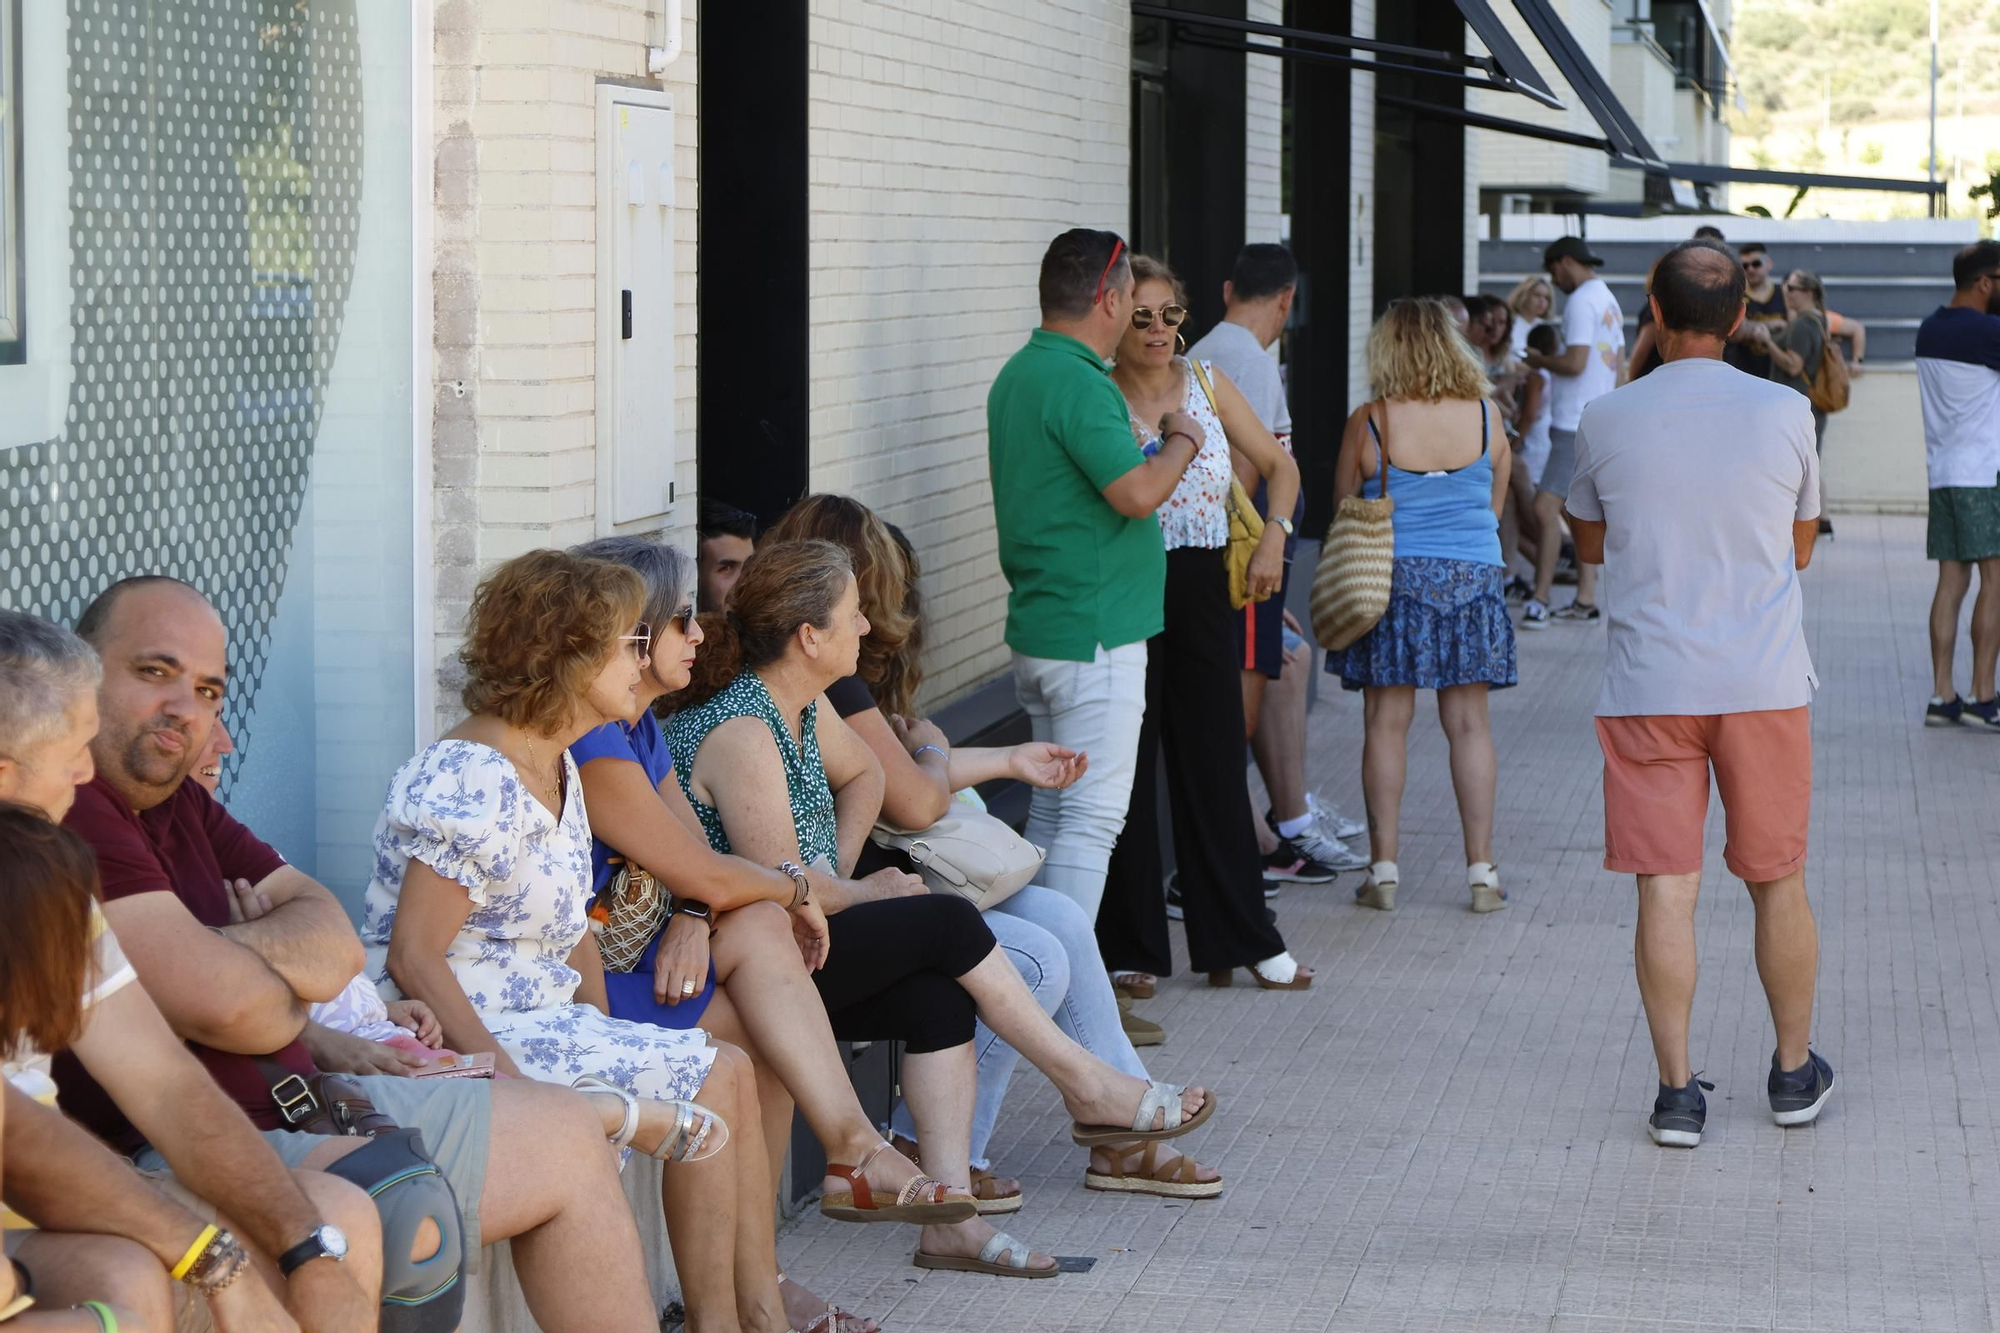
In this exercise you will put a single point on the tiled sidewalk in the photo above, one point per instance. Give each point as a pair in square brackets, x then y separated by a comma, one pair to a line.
[1447, 1132]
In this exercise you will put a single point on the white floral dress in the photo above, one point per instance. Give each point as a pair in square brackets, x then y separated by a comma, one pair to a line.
[1197, 513]
[461, 809]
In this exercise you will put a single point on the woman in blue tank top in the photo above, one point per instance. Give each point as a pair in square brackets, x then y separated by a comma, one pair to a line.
[1431, 442]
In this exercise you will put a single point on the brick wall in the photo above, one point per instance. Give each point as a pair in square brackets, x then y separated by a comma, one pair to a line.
[1361, 250]
[947, 147]
[514, 281]
[1263, 131]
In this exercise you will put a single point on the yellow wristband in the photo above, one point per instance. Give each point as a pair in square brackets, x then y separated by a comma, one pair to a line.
[194, 1252]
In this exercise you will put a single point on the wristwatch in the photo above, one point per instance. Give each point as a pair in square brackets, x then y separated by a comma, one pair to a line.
[325, 1242]
[1286, 526]
[689, 907]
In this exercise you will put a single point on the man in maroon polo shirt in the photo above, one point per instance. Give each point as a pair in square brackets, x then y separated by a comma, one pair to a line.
[527, 1161]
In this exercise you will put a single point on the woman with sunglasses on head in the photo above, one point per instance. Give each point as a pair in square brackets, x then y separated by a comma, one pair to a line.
[1194, 701]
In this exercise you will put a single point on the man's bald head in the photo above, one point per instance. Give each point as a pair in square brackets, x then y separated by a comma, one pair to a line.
[1699, 286]
[166, 664]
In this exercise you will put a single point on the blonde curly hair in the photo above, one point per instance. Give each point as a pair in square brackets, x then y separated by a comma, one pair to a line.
[1416, 352]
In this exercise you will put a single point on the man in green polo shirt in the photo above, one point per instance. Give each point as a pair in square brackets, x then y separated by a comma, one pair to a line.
[1074, 495]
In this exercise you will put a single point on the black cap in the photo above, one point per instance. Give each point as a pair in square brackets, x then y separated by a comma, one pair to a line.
[1571, 247]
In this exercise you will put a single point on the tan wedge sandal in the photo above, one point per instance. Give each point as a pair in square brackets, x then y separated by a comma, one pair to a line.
[1149, 1175]
[922, 1202]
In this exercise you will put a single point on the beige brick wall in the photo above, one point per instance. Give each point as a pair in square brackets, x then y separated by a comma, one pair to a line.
[1361, 247]
[1509, 160]
[948, 145]
[1263, 130]
[514, 449]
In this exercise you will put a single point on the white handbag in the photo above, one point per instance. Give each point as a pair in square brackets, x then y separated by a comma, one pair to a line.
[968, 852]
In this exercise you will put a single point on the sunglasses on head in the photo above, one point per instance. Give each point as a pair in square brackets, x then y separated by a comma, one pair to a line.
[1117, 249]
[1170, 316]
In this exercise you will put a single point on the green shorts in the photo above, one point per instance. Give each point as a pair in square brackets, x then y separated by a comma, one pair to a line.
[455, 1115]
[1965, 523]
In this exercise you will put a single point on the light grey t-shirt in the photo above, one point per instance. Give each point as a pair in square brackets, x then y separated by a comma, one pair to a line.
[1698, 472]
[1255, 371]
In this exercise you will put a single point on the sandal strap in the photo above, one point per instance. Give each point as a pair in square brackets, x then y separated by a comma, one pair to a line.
[922, 1185]
[864, 1197]
[623, 1138]
[1159, 1097]
[1017, 1253]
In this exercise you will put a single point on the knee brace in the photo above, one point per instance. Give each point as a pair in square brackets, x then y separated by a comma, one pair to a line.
[418, 1295]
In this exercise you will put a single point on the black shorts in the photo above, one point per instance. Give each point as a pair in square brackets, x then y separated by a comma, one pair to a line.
[1260, 631]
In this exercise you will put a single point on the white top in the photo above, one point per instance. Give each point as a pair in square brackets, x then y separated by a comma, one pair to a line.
[1519, 335]
[1535, 439]
[1698, 472]
[461, 809]
[1591, 317]
[1958, 377]
[109, 973]
[1197, 513]
[1255, 372]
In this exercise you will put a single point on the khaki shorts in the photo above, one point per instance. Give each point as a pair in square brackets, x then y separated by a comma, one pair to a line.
[1656, 791]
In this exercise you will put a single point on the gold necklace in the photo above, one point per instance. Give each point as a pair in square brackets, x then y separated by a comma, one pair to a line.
[554, 787]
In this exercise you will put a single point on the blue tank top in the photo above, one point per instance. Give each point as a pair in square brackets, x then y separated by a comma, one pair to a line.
[1445, 515]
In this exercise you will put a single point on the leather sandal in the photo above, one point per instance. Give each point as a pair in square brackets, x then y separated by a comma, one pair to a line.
[989, 1261]
[1163, 1097]
[922, 1202]
[832, 1320]
[698, 1133]
[988, 1195]
[1170, 1180]
[1302, 978]
[1135, 985]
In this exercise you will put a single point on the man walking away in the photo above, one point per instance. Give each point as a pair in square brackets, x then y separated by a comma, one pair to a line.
[1697, 487]
[1257, 300]
[1958, 374]
[1585, 370]
[1073, 503]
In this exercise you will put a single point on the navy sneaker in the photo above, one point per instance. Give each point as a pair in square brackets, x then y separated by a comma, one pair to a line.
[1799, 1095]
[1679, 1114]
[1984, 715]
[1943, 713]
[1289, 864]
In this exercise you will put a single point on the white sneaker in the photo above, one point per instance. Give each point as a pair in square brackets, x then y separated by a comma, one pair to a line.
[1328, 851]
[1336, 823]
[1534, 615]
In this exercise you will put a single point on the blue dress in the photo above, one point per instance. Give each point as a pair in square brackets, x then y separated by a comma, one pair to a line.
[631, 993]
[1446, 623]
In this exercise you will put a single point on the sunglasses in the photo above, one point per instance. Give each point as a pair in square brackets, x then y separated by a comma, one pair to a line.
[1753, 263]
[1797, 287]
[1117, 249]
[683, 618]
[640, 640]
[1170, 316]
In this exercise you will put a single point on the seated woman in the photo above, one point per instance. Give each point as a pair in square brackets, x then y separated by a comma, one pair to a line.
[482, 877]
[1046, 935]
[769, 775]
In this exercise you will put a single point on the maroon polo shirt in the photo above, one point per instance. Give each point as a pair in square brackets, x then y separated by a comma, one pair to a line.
[186, 846]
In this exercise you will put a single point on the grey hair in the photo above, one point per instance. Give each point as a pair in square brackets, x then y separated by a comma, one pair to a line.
[43, 668]
[668, 571]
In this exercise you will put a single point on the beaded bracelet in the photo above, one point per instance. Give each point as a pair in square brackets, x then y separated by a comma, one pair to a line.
[937, 750]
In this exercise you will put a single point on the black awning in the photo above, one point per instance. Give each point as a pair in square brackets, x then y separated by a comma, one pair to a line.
[1625, 141]
[1704, 173]
[1505, 70]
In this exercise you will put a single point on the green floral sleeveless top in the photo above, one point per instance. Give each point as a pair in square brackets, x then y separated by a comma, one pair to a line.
[805, 775]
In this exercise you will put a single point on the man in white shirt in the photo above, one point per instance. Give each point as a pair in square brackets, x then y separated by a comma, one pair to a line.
[1585, 370]
[1698, 485]
[1958, 375]
[1276, 660]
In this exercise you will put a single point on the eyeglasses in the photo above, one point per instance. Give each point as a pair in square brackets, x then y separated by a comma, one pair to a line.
[1170, 316]
[639, 641]
[1117, 249]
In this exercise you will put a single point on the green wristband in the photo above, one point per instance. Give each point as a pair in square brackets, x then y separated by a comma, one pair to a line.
[107, 1319]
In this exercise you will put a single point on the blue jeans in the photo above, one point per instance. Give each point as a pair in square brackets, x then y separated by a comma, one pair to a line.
[1050, 941]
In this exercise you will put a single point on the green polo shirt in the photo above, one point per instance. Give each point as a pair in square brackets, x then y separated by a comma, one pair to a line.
[1082, 574]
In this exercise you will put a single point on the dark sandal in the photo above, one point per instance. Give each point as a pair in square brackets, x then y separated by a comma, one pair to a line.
[989, 1261]
[1172, 1180]
[922, 1202]
[987, 1195]
[1164, 1097]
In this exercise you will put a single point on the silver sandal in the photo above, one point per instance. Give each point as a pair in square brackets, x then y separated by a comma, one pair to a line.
[697, 1135]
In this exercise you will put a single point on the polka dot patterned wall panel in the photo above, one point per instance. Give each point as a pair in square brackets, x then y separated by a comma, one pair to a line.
[215, 165]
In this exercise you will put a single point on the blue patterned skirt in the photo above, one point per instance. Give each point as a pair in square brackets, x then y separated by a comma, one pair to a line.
[1446, 625]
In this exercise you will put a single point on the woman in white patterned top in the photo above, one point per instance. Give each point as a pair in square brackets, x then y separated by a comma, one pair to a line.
[1192, 689]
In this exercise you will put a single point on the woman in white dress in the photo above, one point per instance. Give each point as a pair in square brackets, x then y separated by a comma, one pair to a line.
[481, 885]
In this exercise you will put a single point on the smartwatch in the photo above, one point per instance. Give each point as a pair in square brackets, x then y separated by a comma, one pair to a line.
[689, 907]
[325, 1242]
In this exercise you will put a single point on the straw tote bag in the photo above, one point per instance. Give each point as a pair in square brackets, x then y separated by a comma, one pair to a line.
[1350, 588]
[1246, 526]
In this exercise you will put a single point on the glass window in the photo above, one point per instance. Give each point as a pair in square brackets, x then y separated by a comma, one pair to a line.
[236, 201]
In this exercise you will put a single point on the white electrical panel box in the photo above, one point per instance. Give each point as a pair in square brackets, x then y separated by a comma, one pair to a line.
[635, 308]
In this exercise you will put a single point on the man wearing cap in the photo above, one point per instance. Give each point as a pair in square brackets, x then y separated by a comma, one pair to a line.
[1586, 369]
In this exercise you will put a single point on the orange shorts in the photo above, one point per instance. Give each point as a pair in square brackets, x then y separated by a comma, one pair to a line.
[1656, 791]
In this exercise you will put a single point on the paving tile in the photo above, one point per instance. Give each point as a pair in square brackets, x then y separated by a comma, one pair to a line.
[1447, 1132]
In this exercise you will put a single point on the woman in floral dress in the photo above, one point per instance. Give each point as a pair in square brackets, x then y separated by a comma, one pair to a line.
[481, 884]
